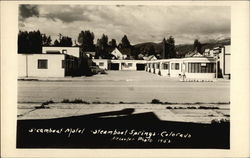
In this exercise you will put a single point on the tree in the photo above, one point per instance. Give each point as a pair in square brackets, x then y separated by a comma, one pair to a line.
[125, 42]
[103, 42]
[112, 43]
[86, 40]
[46, 40]
[23, 42]
[151, 50]
[197, 45]
[66, 41]
[30, 42]
[56, 43]
[169, 48]
[102, 46]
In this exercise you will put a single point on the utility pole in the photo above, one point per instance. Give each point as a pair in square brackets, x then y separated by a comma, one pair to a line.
[216, 68]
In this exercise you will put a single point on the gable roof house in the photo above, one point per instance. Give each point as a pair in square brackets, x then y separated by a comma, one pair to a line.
[117, 54]
[193, 54]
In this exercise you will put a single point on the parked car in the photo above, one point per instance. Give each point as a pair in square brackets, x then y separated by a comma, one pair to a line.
[97, 70]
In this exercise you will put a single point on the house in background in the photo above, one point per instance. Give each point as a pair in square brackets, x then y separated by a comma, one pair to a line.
[193, 54]
[117, 54]
[149, 58]
[121, 53]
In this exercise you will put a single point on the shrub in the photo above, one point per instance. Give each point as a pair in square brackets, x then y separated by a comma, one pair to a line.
[96, 102]
[208, 107]
[65, 101]
[221, 121]
[169, 107]
[48, 102]
[191, 107]
[42, 106]
[156, 101]
[76, 101]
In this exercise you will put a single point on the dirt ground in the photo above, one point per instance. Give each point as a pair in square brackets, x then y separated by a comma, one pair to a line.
[119, 90]
[179, 113]
[123, 86]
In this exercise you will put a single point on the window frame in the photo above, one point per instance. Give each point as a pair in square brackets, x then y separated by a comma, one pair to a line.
[101, 63]
[40, 64]
[130, 64]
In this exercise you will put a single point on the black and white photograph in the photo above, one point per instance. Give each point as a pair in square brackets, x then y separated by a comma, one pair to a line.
[123, 76]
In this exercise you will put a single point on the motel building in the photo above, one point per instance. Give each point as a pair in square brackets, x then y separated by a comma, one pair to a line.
[64, 61]
[53, 62]
[126, 65]
[185, 68]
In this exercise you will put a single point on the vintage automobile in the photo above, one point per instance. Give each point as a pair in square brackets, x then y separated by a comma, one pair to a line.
[97, 70]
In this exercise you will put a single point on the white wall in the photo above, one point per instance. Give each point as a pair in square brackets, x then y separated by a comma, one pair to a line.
[74, 51]
[164, 72]
[227, 64]
[200, 75]
[104, 61]
[54, 65]
[175, 73]
[227, 59]
[125, 65]
[126, 62]
[22, 65]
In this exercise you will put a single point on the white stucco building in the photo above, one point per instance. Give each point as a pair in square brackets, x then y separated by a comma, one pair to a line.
[41, 65]
[102, 63]
[224, 61]
[188, 68]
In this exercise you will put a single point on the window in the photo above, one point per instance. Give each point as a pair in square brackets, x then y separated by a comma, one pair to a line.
[165, 66]
[201, 67]
[175, 66]
[172, 66]
[63, 64]
[130, 64]
[157, 66]
[42, 64]
[101, 64]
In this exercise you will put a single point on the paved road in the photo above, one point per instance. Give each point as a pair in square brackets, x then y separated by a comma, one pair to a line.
[126, 86]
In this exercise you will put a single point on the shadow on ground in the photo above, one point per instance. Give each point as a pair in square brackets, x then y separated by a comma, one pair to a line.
[119, 129]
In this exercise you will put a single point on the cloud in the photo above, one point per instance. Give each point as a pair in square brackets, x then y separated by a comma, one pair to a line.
[139, 23]
[27, 11]
[67, 14]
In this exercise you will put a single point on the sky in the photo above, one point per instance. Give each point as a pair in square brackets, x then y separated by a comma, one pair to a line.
[140, 23]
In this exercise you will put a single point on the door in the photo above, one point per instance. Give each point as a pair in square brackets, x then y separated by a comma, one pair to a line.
[114, 66]
[140, 67]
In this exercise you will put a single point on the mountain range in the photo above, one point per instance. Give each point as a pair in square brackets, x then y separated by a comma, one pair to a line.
[181, 49]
